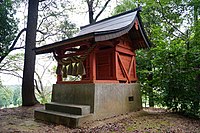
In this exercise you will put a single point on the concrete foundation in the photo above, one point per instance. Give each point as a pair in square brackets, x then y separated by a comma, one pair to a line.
[74, 104]
[104, 99]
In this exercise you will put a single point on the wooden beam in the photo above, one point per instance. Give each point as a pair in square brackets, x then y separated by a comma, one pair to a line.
[116, 64]
[131, 66]
[87, 81]
[59, 73]
[124, 50]
[105, 42]
[106, 81]
[71, 45]
[71, 42]
[135, 75]
[73, 54]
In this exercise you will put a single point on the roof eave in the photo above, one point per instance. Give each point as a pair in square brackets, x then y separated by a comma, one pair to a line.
[114, 33]
[143, 32]
[51, 47]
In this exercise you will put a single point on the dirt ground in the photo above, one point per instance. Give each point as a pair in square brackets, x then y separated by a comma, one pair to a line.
[20, 120]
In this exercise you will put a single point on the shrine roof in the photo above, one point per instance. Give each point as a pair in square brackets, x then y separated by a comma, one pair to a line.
[109, 25]
[106, 29]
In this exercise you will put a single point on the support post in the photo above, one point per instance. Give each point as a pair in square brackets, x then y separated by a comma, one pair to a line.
[93, 66]
[59, 73]
[134, 68]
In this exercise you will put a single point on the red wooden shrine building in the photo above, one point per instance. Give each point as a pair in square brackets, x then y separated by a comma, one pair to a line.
[102, 52]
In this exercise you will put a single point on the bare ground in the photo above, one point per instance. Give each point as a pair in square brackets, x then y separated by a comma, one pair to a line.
[148, 120]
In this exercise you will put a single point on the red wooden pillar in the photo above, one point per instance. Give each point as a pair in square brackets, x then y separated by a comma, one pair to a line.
[59, 73]
[116, 65]
[134, 68]
[93, 66]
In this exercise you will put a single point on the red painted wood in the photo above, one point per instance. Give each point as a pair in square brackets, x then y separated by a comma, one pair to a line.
[124, 69]
[59, 77]
[92, 66]
[125, 43]
[107, 63]
[131, 66]
[116, 66]
[59, 73]
[134, 68]
[124, 50]
[106, 81]
[87, 81]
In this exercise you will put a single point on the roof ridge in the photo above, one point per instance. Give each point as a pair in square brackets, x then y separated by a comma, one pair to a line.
[129, 11]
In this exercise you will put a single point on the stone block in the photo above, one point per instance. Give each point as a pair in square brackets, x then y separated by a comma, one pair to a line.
[60, 118]
[68, 108]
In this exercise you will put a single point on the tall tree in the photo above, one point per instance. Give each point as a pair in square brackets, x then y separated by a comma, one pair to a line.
[62, 29]
[28, 95]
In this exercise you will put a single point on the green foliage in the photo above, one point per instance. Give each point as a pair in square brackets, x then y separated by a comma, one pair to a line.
[8, 26]
[13, 63]
[173, 62]
[10, 95]
[5, 96]
[44, 96]
[67, 29]
[17, 99]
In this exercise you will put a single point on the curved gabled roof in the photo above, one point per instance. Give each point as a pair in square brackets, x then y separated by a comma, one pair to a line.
[110, 25]
[103, 30]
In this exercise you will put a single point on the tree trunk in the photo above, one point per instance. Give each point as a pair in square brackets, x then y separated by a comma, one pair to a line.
[151, 100]
[28, 95]
[150, 91]
[91, 14]
[90, 10]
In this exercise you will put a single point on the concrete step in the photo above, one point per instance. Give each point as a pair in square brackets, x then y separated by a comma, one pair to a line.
[60, 118]
[68, 108]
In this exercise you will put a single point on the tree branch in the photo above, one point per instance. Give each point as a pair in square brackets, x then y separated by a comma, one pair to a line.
[43, 33]
[97, 3]
[104, 7]
[40, 81]
[18, 48]
[41, 0]
[13, 45]
[163, 15]
[16, 39]
[13, 74]
[36, 86]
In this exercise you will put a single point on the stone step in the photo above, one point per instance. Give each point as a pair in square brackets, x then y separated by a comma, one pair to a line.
[60, 118]
[68, 108]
